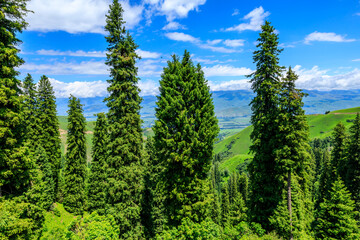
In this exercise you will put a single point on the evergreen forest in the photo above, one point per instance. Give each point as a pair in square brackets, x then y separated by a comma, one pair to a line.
[170, 185]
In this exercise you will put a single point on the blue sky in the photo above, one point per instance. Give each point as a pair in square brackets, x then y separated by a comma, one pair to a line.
[65, 41]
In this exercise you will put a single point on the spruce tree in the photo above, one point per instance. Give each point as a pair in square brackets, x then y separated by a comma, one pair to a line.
[244, 186]
[292, 151]
[353, 162]
[15, 163]
[336, 218]
[185, 131]
[338, 153]
[125, 134]
[97, 180]
[48, 134]
[265, 185]
[325, 181]
[237, 211]
[30, 111]
[225, 206]
[75, 165]
[42, 189]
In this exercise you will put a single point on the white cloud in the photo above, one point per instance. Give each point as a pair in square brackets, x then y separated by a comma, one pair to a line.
[358, 14]
[326, 37]
[79, 89]
[173, 26]
[67, 68]
[256, 17]
[79, 53]
[242, 84]
[147, 54]
[174, 9]
[234, 42]
[356, 60]
[145, 68]
[214, 42]
[318, 79]
[283, 45]
[88, 89]
[77, 16]
[236, 12]
[226, 70]
[178, 36]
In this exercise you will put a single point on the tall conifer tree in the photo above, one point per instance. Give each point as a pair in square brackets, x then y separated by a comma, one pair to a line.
[338, 153]
[125, 134]
[185, 131]
[75, 163]
[353, 162]
[48, 126]
[97, 179]
[336, 218]
[292, 151]
[265, 185]
[30, 110]
[14, 157]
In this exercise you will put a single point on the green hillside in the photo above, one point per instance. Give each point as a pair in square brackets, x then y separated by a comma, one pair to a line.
[235, 149]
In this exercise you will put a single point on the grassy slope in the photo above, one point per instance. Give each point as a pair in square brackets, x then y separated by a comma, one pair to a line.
[320, 126]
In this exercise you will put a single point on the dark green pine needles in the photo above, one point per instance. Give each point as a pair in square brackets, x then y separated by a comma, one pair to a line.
[336, 218]
[97, 179]
[48, 126]
[125, 134]
[185, 131]
[75, 164]
[30, 111]
[14, 157]
[265, 187]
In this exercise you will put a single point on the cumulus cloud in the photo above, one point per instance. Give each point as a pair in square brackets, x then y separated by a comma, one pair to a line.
[89, 89]
[77, 16]
[173, 26]
[147, 54]
[326, 37]
[234, 42]
[318, 79]
[242, 84]
[147, 67]
[67, 68]
[209, 44]
[79, 53]
[79, 89]
[226, 70]
[174, 9]
[179, 36]
[256, 18]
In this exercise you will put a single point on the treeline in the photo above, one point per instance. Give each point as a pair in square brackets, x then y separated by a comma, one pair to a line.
[169, 186]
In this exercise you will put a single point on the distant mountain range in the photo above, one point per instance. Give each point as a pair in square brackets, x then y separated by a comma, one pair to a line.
[230, 104]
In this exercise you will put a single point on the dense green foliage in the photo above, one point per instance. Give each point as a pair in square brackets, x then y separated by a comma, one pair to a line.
[184, 138]
[48, 135]
[125, 135]
[96, 193]
[352, 179]
[266, 186]
[173, 186]
[75, 163]
[336, 218]
[19, 219]
[15, 163]
[41, 192]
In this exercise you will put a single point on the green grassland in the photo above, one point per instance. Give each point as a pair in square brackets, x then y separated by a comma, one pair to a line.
[235, 149]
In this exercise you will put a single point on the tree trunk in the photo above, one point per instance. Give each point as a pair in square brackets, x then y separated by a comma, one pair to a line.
[289, 203]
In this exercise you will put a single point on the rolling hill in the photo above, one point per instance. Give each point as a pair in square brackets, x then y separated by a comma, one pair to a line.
[235, 149]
